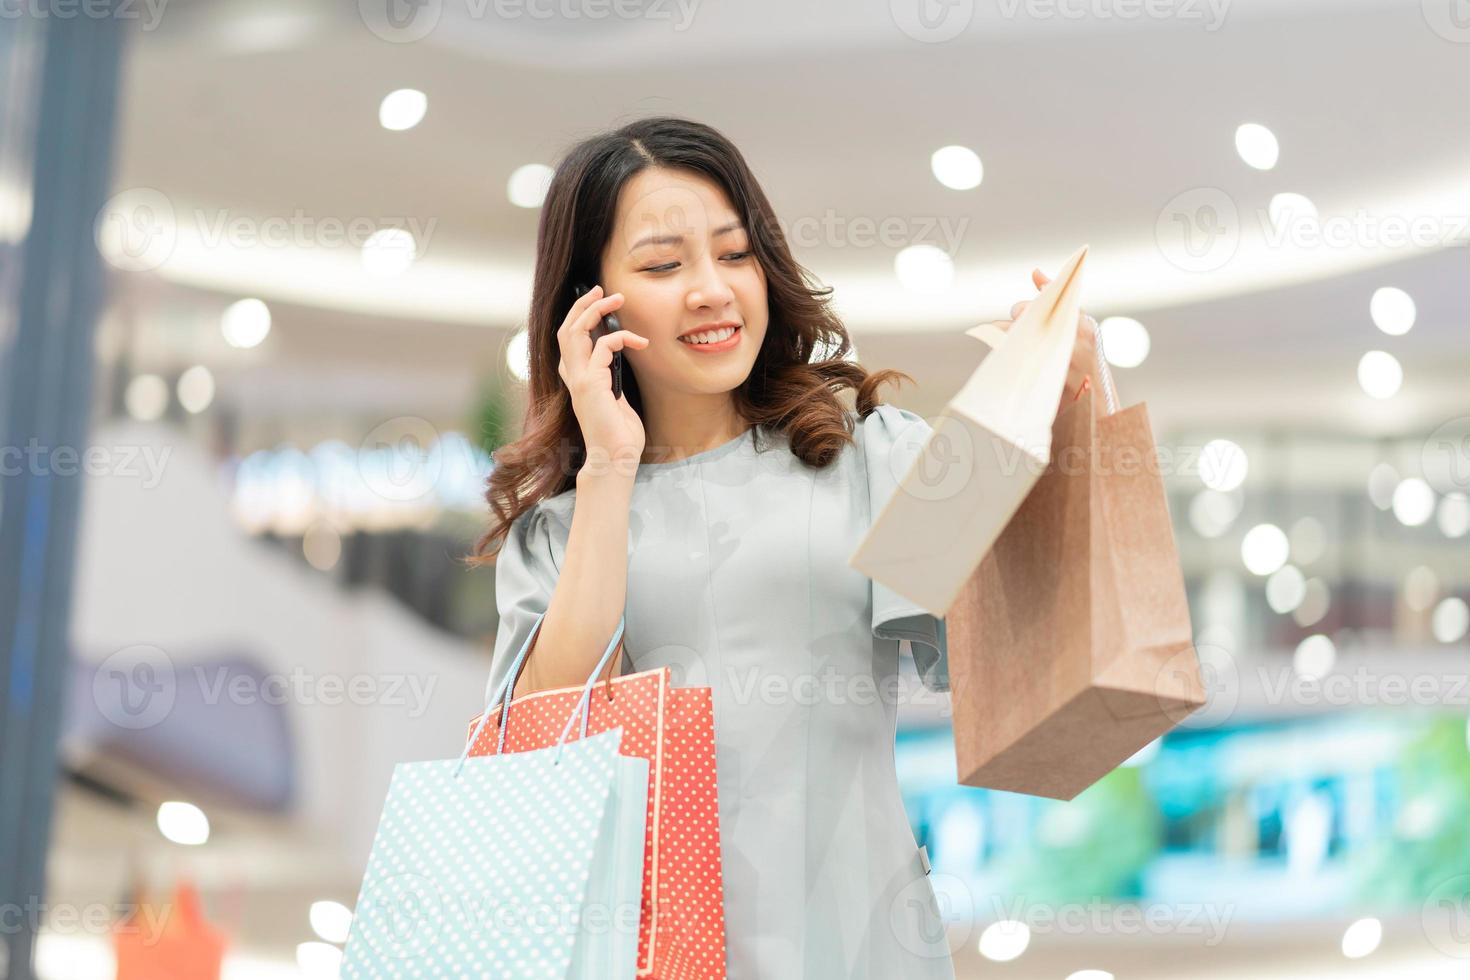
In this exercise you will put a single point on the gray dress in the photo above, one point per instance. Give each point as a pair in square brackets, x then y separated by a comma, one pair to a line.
[738, 580]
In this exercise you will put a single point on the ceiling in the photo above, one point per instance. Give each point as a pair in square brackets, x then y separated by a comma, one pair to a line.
[1090, 127]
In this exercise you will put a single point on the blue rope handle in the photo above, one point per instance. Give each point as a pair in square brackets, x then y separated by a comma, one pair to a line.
[503, 694]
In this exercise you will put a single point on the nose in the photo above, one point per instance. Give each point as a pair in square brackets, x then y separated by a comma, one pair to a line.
[709, 288]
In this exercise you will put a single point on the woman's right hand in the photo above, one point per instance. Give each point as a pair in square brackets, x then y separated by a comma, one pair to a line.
[612, 431]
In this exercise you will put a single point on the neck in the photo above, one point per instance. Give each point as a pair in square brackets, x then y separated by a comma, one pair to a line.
[676, 428]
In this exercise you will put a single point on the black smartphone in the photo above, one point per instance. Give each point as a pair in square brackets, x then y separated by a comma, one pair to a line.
[608, 325]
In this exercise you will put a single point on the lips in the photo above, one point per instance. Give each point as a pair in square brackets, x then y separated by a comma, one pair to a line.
[713, 327]
[714, 348]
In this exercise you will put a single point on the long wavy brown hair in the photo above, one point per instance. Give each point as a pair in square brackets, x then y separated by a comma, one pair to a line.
[786, 390]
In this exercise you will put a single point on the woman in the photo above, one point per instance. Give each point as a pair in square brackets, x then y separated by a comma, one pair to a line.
[714, 505]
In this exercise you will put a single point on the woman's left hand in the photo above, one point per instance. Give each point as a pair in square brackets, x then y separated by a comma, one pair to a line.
[1084, 354]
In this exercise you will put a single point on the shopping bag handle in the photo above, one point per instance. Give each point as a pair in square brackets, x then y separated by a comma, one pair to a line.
[990, 334]
[508, 685]
[504, 692]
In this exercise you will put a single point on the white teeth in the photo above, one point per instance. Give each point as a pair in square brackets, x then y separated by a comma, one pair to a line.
[710, 337]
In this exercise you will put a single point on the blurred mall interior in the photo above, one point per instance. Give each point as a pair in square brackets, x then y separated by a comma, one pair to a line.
[264, 275]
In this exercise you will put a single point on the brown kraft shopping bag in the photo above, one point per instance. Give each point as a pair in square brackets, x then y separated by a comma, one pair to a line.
[1070, 647]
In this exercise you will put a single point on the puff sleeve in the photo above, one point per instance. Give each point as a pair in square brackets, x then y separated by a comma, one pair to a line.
[891, 438]
[525, 578]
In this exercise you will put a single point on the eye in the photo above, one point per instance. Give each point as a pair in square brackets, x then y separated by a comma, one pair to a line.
[670, 266]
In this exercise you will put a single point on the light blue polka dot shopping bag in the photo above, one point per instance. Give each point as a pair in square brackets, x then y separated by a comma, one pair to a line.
[526, 866]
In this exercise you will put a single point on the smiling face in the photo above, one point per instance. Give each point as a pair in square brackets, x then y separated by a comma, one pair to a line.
[682, 259]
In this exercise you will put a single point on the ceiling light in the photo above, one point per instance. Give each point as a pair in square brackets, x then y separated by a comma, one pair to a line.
[195, 389]
[1264, 549]
[1450, 620]
[1257, 146]
[957, 167]
[183, 823]
[1392, 310]
[1314, 657]
[1125, 341]
[1413, 502]
[389, 251]
[1380, 374]
[528, 184]
[146, 397]
[245, 323]
[1362, 938]
[402, 109]
[1223, 465]
[924, 268]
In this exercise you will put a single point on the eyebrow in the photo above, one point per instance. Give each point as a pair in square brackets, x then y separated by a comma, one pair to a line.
[735, 225]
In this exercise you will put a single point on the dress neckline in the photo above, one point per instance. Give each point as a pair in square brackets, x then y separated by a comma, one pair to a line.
[703, 456]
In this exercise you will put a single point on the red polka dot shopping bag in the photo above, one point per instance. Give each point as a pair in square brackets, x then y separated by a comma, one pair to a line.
[682, 932]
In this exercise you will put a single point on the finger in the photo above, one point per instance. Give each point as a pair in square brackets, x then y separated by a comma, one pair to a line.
[589, 319]
[582, 302]
[1017, 309]
[576, 346]
[589, 310]
[1040, 278]
[602, 351]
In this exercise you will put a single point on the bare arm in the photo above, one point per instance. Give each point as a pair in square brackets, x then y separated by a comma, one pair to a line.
[592, 584]
[591, 590]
